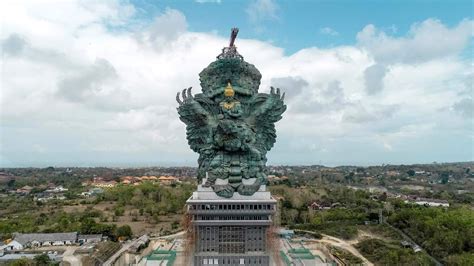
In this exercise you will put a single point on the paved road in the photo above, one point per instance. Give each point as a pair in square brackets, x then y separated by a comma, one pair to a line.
[69, 256]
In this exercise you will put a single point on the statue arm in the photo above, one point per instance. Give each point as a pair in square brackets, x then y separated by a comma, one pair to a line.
[268, 110]
[198, 120]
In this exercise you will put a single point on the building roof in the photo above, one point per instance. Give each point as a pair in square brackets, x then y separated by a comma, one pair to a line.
[89, 236]
[432, 200]
[167, 178]
[27, 238]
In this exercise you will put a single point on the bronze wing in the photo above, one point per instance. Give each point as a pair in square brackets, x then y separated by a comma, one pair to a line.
[196, 112]
[267, 110]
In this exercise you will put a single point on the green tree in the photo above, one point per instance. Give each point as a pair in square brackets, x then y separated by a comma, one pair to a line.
[124, 231]
[42, 260]
[22, 262]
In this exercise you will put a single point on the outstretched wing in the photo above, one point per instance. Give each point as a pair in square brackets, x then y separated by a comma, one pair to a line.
[196, 113]
[266, 110]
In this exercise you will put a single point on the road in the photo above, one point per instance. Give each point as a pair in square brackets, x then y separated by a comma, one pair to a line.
[69, 256]
[345, 245]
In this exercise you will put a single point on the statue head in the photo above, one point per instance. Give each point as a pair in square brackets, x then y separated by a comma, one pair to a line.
[244, 77]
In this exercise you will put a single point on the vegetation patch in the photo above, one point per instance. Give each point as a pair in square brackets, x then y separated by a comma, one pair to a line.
[382, 252]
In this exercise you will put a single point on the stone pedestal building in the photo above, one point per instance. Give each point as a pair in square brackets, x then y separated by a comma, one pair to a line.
[231, 231]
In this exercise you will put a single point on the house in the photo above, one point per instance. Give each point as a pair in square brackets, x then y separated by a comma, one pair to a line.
[417, 248]
[429, 202]
[12, 245]
[96, 238]
[92, 192]
[167, 180]
[104, 184]
[44, 197]
[57, 189]
[45, 239]
[24, 190]
[376, 189]
[392, 173]
[405, 244]
[315, 206]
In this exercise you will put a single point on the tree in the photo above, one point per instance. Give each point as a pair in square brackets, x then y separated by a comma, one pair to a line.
[411, 172]
[42, 260]
[444, 179]
[22, 262]
[124, 231]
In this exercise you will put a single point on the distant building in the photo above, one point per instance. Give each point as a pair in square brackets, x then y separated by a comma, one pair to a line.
[57, 189]
[12, 245]
[44, 197]
[392, 173]
[374, 189]
[92, 192]
[168, 180]
[24, 190]
[429, 202]
[104, 184]
[96, 238]
[22, 241]
[315, 206]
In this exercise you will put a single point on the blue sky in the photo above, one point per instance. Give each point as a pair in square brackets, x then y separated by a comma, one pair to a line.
[297, 24]
[367, 82]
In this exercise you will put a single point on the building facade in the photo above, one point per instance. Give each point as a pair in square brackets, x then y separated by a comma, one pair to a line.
[231, 231]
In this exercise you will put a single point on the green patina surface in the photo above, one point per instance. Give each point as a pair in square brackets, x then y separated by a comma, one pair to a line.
[231, 125]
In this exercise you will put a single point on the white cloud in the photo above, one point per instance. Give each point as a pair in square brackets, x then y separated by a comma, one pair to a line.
[261, 10]
[373, 76]
[208, 1]
[426, 41]
[94, 93]
[328, 31]
[465, 107]
[167, 27]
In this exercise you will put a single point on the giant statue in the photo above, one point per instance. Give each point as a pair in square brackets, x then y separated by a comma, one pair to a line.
[230, 124]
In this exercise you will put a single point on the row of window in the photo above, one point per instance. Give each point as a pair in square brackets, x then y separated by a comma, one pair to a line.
[231, 207]
[234, 261]
[227, 217]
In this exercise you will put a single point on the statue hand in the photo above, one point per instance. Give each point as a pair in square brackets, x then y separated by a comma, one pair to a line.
[186, 95]
[277, 94]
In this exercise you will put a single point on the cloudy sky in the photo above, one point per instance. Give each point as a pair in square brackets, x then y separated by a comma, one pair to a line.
[90, 83]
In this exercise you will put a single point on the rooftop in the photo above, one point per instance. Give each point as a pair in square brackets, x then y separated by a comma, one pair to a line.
[26, 238]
